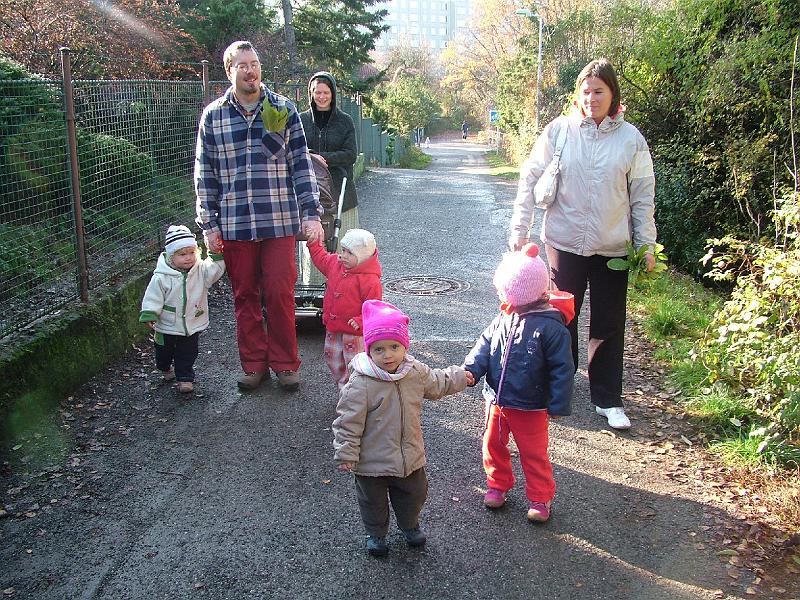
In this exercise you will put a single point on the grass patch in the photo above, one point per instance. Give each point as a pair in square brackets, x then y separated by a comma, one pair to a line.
[414, 158]
[500, 167]
[675, 312]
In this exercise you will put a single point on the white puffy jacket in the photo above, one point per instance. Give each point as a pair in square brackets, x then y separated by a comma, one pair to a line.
[177, 300]
[605, 192]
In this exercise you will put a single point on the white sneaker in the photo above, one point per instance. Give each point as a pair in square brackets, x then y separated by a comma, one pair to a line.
[617, 419]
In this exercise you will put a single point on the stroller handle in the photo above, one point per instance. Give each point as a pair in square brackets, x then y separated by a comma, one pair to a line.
[337, 223]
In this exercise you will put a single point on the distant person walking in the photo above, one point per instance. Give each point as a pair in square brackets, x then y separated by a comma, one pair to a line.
[605, 198]
[464, 130]
[256, 189]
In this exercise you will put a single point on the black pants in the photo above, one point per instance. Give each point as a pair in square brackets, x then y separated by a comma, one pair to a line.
[407, 494]
[608, 295]
[180, 350]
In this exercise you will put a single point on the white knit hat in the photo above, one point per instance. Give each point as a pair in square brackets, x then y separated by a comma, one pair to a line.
[360, 242]
[522, 276]
[178, 236]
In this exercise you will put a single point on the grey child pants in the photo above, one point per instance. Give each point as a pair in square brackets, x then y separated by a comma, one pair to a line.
[407, 495]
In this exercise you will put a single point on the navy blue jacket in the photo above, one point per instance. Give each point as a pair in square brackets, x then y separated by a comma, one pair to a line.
[527, 361]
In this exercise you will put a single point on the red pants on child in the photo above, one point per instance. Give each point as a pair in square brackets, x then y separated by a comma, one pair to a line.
[530, 431]
[264, 269]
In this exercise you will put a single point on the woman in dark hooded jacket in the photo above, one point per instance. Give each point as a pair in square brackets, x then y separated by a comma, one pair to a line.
[330, 132]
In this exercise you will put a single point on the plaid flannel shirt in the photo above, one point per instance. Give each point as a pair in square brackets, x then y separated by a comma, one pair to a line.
[249, 181]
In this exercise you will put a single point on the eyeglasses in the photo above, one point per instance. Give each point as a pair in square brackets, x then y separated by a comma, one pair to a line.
[244, 67]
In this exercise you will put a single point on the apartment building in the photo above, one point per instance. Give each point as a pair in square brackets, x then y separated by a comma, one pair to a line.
[417, 23]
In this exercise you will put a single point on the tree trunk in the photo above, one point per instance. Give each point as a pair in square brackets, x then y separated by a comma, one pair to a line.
[288, 28]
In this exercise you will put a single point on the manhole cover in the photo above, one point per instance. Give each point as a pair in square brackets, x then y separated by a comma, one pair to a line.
[422, 285]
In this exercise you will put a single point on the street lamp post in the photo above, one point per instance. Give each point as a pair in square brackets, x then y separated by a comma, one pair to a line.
[536, 15]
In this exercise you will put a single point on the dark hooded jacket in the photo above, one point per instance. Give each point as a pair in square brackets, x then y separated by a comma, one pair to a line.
[335, 140]
[527, 361]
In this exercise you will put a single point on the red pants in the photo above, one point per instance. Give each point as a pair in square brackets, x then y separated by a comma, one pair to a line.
[265, 270]
[529, 428]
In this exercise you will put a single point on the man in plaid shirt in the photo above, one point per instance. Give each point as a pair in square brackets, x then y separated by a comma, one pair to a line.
[254, 183]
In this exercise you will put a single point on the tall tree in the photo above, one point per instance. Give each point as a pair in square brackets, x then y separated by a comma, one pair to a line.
[405, 104]
[339, 35]
[129, 38]
[217, 23]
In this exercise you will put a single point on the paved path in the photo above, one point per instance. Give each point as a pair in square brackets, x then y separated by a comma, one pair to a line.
[233, 496]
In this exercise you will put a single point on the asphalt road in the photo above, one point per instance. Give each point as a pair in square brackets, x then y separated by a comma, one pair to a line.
[144, 494]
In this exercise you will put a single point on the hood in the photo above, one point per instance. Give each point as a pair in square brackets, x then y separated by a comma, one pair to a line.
[330, 80]
[164, 268]
[547, 311]
[371, 266]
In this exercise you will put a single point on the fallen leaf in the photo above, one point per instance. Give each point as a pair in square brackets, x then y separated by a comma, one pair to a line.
[455, 499]
[728, 552]
[326, 481]
[608, 433]
[9, 591]
[750, 591]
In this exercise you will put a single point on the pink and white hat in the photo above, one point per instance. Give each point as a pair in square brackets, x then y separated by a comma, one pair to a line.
[522, 277]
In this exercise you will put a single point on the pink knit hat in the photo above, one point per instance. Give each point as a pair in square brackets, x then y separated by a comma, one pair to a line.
[384, 321]
[522, 276]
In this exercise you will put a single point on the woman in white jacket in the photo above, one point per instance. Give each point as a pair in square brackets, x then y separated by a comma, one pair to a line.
[605, 198]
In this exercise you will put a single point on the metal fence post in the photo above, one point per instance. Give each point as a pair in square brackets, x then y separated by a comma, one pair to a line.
[75, 175]
[360, 121]
[206, 83]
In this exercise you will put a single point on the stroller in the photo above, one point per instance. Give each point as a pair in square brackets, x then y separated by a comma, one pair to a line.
[309, 289]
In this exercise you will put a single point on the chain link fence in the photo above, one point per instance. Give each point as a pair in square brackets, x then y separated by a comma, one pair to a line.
[134, 144]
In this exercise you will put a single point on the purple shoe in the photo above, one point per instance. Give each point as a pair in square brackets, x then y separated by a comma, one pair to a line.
[538, 512]
[494, 498]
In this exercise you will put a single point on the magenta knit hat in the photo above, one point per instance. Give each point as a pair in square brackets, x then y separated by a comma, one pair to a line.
[384, 321]
[522, 276]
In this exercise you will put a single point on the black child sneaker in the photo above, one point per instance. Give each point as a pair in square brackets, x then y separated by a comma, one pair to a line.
[376, 546]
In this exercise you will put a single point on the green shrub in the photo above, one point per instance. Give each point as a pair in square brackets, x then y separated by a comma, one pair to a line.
[113, 173]
[752, 343]
[414, 158]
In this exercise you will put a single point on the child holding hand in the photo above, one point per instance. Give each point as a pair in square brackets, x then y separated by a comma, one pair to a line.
[378, 431]
[354, 275]
[526, 356]
[175, 304]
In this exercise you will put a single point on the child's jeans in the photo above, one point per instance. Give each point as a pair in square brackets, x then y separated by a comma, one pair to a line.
[407, 494]
[180, 350]
[340, 348]
[529, 428]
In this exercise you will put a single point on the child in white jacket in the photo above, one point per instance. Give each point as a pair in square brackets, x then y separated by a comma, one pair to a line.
[175, 304]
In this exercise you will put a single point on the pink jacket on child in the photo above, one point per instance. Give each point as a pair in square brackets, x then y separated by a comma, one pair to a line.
[347, 289]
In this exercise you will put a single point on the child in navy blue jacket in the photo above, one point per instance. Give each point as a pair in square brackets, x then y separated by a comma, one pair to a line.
[526, 356]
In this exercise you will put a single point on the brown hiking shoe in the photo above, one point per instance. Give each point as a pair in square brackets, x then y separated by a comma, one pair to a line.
[250, 381]
[289, 380]
[185, 387]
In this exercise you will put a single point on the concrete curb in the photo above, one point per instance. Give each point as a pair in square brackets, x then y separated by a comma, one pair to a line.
[64, 352]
